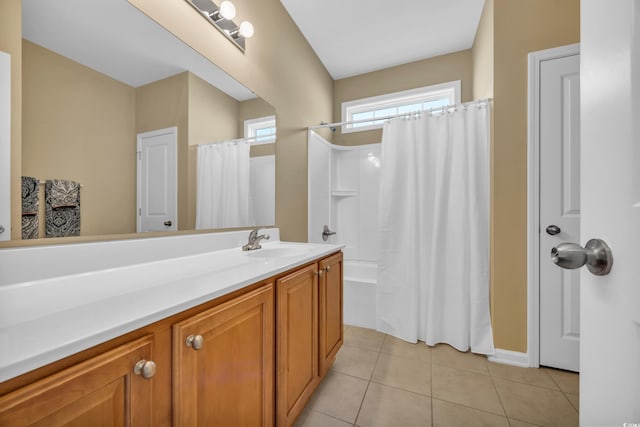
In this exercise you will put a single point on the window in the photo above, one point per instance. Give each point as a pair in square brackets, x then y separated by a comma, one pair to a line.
[262, 128]
[391, 104]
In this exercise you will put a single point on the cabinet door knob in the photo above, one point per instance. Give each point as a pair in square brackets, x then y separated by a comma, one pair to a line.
[195, 341]
[146, 368]
[327, 268]
[320, 272]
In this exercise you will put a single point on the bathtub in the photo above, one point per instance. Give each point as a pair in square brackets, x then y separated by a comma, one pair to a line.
[360, 279]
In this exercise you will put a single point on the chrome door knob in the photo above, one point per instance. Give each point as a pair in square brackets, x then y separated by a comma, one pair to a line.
[596, 255]
[195, 341]
[168, 223]
[552, 230]
[146, 368]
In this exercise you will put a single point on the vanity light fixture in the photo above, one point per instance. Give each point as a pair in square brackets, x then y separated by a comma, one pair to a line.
[221, 17]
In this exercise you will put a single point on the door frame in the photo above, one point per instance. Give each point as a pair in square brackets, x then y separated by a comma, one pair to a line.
[139, 136]
[5, 147]
[533, 195]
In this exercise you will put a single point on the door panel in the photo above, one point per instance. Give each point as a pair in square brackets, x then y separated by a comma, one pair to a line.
[610, 325]
[330, 324]
[101, 391]
[560, 206]
[157, 180]
[229, 380]
[297, 345]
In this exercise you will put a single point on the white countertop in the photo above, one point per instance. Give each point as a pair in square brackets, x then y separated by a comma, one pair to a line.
[47, 320]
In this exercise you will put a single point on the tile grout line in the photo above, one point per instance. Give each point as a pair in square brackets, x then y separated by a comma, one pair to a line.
[369, 381]
[504, 410]
[431, 384]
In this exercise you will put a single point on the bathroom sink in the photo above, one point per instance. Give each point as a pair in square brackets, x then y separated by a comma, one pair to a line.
[278, 252]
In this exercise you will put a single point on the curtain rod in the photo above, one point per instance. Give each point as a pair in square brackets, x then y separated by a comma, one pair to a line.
[248, 139]
[396, 116]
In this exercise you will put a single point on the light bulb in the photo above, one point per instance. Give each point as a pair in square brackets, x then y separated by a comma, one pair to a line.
[246, 29]
[227, 10]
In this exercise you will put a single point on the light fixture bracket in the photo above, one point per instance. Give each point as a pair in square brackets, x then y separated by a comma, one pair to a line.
[207, 9]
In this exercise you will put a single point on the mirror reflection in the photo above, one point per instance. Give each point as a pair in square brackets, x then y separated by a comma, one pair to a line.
[133, 130]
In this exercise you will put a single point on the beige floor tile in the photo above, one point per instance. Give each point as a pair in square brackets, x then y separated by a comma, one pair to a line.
[387, 406]
[516, 423]
[574, 399]
[310, 418]
[407, 374]
[569, 382]
[466, 388]
[531, 376]
[400, 348]
[356, 361]
[445, 355]
[363, 338]
[339, 396]
[536, 405]
[447, 414]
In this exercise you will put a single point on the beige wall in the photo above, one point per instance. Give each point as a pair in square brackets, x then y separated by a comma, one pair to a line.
[520, 27]
[279, 66]
[440, 69]
[482, 54]
[78, 124]
[11, 43]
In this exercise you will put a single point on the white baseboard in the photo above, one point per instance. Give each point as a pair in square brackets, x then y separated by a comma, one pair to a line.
[508, 357]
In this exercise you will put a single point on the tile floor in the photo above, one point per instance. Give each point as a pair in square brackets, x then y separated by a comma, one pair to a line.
[378, 380]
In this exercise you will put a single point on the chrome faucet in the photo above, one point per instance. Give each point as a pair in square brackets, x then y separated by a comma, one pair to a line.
[254, 240]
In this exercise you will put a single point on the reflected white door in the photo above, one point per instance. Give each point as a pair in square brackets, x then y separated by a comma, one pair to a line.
[559, 206]
[5, 146]
[610, 205]
[157, 180]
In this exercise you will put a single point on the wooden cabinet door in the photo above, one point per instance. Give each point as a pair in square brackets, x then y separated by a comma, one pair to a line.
[330, 320]
[297, 344]
[102, 391]
[225, 378]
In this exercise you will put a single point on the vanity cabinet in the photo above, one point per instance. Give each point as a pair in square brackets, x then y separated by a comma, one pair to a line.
[309, 333]
[331, 330]
[108, 390]
[224, 364]
[252, 357]
[297, 342]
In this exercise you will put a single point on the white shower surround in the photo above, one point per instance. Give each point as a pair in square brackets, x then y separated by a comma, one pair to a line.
[343, 194]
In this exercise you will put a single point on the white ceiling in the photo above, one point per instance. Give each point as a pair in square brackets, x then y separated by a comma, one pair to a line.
[352, 37]
[114, 38]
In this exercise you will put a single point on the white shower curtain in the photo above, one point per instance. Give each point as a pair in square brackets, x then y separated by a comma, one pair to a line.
[223, 185]
[433, 264]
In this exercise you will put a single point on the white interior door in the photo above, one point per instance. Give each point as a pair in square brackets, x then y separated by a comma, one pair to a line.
[559, 206]
[610, 202]
[157, 180]
[5, 146]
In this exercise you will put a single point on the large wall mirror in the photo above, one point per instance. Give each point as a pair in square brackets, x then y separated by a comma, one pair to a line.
[103, 87]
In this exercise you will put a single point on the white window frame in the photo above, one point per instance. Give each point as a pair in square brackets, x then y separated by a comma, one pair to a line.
[251, 126]
[397, 99]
